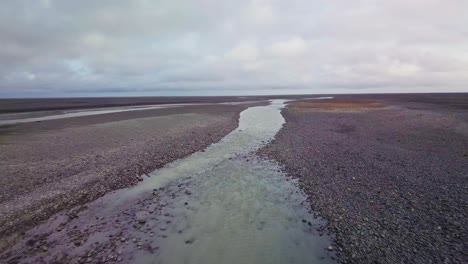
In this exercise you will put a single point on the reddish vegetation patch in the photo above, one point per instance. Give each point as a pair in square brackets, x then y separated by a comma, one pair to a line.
[339, 105]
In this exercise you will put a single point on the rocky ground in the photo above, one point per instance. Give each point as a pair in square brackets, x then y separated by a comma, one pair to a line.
[387, 172]
[47, 167]
[389, 175]
[132, 225]
[96, 233]
[124, 228]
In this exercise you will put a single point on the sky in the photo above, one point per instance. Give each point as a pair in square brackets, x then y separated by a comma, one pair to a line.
[57, 48]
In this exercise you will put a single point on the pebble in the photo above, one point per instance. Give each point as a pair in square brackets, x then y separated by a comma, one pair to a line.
[60, 257]
[141, 217]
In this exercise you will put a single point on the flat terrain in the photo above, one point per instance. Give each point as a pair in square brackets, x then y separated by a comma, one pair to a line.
[388, 172]
[46, 104]
[50, 166]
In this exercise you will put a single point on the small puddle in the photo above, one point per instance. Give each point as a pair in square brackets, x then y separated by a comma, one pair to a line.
[231, 206]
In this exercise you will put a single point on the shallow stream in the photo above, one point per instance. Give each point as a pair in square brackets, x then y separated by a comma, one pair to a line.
[220, 205]
[232, 206]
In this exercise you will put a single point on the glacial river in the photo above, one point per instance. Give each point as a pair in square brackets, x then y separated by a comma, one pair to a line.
[220, 205]
[241, 209]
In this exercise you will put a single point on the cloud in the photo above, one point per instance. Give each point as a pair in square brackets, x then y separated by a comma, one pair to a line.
[243, 52]
[261, 12]
[119, 47]
[293, 47]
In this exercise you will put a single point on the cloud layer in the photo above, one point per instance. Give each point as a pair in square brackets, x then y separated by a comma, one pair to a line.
[210, 47]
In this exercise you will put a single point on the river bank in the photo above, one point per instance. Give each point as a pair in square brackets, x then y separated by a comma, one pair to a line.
[389, 174]
[57, 164]
[219, 205]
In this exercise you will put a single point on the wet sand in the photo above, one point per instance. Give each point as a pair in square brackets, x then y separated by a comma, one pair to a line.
[388, 172]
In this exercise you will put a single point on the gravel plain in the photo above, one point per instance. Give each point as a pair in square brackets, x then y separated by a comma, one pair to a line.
[47, 167]
[391, 180]
[387, 173]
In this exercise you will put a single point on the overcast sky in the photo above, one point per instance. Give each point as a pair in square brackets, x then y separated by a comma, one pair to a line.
[213, 47]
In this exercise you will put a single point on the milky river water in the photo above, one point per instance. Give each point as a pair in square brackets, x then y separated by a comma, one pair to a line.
[239, 208]
[224, 204]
